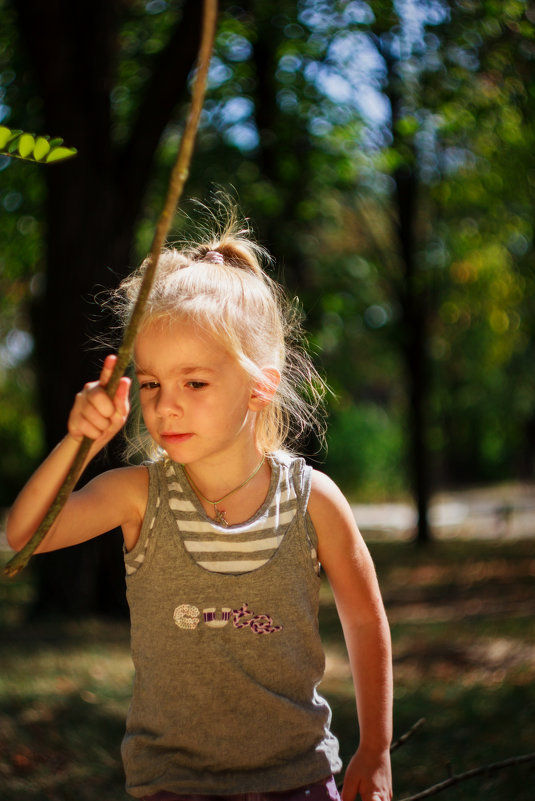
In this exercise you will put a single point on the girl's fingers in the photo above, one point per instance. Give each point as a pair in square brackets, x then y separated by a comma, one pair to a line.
[123, 397]
[91, 431]
[94, 397]
[123, 390]
[92, 408]
[89, 422]
[107, 369]
[95, 414]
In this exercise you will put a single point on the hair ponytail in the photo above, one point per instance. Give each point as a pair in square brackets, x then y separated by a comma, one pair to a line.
[235, 248]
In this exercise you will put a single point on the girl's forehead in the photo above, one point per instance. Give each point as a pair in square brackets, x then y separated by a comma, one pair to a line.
[165, 340]
[166, 331]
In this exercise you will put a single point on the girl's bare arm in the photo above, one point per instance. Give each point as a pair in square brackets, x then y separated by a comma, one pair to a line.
[351, 574]
[105, 502]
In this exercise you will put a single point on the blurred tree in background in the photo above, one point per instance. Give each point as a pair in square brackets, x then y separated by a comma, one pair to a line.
[384, 153]
[77, 64]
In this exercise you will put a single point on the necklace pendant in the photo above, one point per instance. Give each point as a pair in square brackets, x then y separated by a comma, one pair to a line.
[220, 516]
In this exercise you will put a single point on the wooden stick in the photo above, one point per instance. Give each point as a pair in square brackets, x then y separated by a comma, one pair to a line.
[469, 774]
[408, 734]
[177, 180]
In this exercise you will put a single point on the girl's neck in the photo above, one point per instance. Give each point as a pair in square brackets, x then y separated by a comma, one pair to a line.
[231, 494]
[222, 473]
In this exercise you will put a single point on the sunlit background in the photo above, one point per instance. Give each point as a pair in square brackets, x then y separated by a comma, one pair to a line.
[384, 153]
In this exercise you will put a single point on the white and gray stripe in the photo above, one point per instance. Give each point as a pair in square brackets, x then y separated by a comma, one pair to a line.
[236, 549]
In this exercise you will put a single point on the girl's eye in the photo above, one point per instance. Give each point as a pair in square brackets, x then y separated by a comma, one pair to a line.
[149, 385]
[197, 384]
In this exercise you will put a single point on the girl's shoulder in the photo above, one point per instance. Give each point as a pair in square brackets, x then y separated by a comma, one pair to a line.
[331, 514]
[136, 482]
[132, 482]
[325, 495]
[127, 488]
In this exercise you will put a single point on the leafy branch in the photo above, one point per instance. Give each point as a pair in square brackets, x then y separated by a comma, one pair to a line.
[30, 147]
[177, 180]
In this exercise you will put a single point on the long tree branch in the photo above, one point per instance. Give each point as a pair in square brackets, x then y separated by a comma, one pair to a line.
[470, 774]
[177, 180]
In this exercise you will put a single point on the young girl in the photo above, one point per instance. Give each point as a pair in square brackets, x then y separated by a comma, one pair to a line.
[224, 535]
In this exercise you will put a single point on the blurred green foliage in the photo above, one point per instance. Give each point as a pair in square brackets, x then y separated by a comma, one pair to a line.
[298, 120]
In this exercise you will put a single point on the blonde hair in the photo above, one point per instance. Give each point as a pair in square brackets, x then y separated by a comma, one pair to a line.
[220, 286]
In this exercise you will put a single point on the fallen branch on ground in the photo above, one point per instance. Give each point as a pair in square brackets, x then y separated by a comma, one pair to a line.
[451, 781]
[408, 734]
[470, 774]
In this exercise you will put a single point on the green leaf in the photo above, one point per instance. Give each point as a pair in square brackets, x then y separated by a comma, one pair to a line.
[26, 145]
[13, 143]
[42, 147]
[5, 134]
[60, 153]
[56, 142]
[7, 138]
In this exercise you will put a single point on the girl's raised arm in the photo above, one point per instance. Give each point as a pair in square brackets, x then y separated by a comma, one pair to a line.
[100, 506]
[349, 567]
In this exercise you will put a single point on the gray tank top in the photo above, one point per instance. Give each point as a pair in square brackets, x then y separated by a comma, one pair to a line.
[226, 664]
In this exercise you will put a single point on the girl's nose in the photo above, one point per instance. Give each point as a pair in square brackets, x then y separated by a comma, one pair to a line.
[168, 403]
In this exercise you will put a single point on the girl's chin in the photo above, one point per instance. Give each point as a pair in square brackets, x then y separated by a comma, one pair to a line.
[175, 446]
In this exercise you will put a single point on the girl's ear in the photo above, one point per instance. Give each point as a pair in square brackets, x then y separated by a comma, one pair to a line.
[264, 389]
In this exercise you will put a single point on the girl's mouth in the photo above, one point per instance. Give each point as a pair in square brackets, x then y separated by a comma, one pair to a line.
[170, 437]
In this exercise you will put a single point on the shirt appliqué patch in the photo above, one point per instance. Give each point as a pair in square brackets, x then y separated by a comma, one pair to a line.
[210, 618]
[188, 617]
[259, 624]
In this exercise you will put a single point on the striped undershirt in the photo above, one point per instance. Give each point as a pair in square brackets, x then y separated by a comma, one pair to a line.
[236, 549]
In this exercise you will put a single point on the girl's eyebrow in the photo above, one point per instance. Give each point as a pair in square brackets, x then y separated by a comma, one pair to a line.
[198, 369]
[184, 370]
[141, 371]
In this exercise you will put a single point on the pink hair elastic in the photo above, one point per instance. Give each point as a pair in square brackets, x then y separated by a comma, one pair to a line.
[214, 257]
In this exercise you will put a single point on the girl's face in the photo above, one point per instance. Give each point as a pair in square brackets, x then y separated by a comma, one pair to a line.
[197, 401]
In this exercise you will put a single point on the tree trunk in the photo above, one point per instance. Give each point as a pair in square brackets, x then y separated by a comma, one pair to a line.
[412, 297]
[414, 338]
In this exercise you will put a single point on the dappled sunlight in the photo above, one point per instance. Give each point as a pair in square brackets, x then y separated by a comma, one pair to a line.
[461, 615]
[64, 694]
[91, 659]
[485, 662]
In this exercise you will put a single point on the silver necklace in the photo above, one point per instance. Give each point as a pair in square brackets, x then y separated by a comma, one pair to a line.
[219, 514]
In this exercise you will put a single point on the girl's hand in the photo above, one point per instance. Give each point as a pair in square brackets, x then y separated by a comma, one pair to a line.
[94, 414]
[369, 775]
